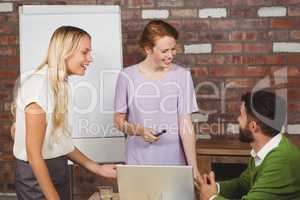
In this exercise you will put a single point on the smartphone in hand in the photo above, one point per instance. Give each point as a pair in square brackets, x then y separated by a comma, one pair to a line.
[160, 133]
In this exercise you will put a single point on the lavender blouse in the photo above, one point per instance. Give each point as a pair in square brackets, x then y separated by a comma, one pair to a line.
[155, 104]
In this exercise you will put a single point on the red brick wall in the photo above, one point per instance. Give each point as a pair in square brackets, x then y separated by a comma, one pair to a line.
[232, 52]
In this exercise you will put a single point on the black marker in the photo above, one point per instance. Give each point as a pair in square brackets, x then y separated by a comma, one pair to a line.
[161, 132]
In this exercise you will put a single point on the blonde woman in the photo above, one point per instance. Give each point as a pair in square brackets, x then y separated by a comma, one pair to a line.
[42, 140]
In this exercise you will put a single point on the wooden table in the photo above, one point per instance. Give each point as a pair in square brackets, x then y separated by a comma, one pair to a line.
[221, 149]
[227, 149]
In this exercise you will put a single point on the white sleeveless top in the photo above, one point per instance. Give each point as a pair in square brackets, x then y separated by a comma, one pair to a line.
[37, 89]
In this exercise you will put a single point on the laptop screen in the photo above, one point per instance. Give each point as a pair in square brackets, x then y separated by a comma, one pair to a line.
[144, 182]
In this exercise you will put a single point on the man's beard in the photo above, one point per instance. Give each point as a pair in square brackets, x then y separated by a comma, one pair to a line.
[245, 135]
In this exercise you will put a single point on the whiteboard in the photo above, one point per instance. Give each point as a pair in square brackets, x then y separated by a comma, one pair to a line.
[92, 95]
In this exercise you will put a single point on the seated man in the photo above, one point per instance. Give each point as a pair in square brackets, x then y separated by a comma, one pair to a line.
[273, 172]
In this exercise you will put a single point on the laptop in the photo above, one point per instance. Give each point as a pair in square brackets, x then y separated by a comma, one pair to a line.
[144, 182]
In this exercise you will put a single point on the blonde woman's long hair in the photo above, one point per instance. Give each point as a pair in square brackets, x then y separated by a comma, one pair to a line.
[64, 42]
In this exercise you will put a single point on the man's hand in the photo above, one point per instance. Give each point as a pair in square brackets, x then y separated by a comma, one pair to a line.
[196, 175]
[207, 186]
